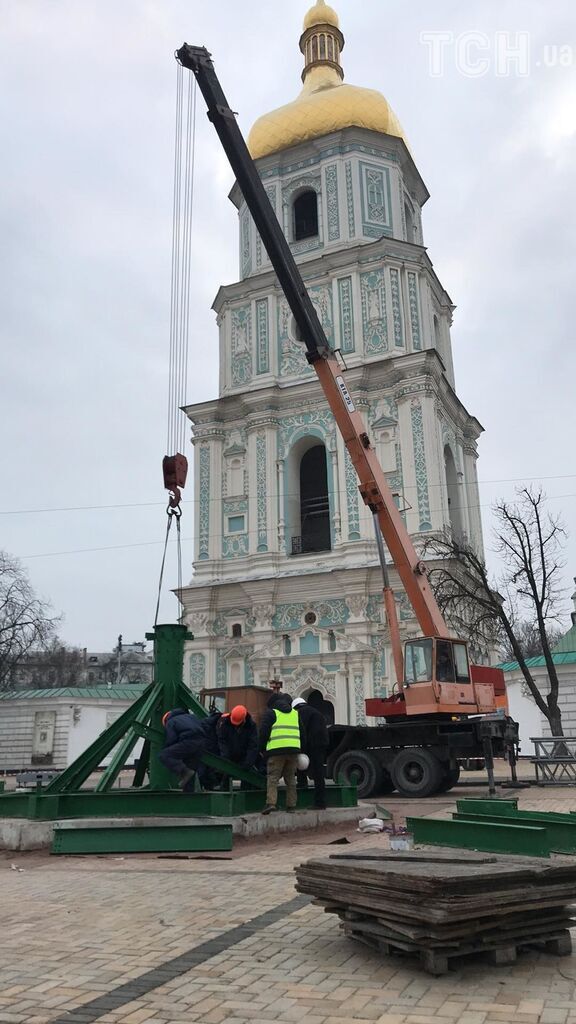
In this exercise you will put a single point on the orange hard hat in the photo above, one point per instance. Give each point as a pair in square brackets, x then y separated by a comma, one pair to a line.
[165, 717]
[238, 715]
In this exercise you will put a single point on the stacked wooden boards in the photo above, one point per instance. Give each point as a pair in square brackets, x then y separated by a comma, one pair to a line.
[438, 905]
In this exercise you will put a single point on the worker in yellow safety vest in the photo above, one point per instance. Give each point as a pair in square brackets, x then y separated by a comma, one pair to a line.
[279, 742]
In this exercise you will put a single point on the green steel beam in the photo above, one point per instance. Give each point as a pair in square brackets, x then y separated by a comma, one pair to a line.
[121, 755]
[561, 834]
[75, 775]
[186, 699]
[169, 643]
[147, 733]
[490, 836]
[470, 806]
[143, 839]
[142, 765]
[479, 806]
[235, 771]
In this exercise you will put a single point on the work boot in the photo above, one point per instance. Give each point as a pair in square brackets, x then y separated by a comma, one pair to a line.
[185, 777]
[268, 809]
[290, 810]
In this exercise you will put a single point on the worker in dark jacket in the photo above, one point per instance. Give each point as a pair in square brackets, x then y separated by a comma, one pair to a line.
[314, 733]
[279, 742]
[210, 778]
[238, 737]
[186, 738]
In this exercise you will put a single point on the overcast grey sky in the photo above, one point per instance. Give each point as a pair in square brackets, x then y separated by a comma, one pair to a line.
[87, 91]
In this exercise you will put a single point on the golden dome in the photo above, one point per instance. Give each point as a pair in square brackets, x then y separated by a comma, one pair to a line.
[325, 104]
[320, 14]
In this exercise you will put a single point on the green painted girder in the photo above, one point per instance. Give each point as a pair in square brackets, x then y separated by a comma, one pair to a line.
[492, 837]
[503, 809]
[235, 771]
[487, 806]
[169, 643]
[130, 802]
[73, 777]
[121, 755]
[142, 766]
[142, 839]
[561, 834]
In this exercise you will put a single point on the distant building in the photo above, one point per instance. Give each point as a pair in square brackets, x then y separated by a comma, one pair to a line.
[50, 728]
[67, 667]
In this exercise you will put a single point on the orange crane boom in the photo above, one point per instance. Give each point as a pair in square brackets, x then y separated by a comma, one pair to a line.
[439, 679]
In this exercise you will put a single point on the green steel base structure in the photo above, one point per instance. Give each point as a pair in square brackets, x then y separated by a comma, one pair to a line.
[144, 803]
[143, 839]
[154, 791]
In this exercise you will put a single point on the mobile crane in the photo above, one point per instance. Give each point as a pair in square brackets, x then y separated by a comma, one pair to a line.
[429, 724]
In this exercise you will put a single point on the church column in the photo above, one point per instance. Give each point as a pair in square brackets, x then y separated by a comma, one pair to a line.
[336, 517]
[472, 491]
[261, 448]
[280, 506]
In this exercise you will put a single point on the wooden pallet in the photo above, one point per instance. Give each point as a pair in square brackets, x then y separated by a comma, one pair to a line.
[438, 961]
[440, 906]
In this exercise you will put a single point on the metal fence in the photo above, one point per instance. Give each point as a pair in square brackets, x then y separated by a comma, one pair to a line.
[554, 760]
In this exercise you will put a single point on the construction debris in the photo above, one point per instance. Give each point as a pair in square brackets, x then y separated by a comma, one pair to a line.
[440, 905]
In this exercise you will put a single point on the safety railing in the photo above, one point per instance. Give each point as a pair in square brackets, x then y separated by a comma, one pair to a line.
[554, 760]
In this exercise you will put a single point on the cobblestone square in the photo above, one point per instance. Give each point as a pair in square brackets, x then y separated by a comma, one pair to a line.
[162, 940]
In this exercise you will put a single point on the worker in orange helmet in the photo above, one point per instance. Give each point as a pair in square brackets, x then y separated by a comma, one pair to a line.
[186, 739]
[238, 737]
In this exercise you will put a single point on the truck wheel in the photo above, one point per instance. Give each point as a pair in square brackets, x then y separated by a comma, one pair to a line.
[416, 772]
[451, 777]
[359, 767]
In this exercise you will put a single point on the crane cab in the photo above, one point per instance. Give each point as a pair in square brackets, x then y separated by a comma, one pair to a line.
[439, 679]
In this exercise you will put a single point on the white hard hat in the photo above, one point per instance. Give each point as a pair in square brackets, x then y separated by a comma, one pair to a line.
[303, 762]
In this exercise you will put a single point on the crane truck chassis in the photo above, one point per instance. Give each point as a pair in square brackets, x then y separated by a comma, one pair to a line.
[416, 756]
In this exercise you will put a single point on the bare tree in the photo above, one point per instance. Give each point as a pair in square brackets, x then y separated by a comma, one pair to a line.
[26, 622]
[529, 640]
[529, 541]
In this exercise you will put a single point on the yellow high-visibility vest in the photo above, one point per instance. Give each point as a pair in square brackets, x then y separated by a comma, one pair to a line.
[285, 733]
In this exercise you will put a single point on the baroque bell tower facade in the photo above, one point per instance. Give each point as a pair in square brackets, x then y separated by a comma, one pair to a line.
[286, 578]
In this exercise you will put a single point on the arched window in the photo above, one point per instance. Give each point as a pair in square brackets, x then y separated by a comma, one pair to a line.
[236, 477]
[314, 503]
[236, 629]
[409, 223]
[438, 337]
[454, 495]
[305, 215]
[235, 673]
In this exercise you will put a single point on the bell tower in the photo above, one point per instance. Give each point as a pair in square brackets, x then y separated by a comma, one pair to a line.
[286, 579]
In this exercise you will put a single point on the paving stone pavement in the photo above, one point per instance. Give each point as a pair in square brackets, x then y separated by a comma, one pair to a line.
[150, 940]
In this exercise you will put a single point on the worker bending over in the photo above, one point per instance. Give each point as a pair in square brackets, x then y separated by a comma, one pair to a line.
[280, 744]
[238, 738]
[187, 738]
